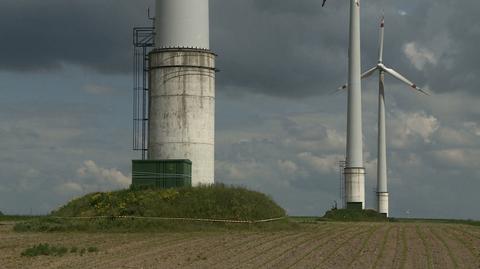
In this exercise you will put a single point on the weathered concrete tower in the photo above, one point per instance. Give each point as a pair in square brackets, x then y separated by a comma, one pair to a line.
[182, 88]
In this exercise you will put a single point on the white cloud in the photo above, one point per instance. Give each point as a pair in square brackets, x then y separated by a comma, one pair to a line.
[406, 126]
[458, 157]
[245, 170]
[451, 136]
[419, 57]
[323, 164]
[102, 176]
[421, 124]
[287, 166]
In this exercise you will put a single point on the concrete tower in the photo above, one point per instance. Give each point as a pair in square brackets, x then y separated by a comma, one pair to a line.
[182, 87]
[354, 169]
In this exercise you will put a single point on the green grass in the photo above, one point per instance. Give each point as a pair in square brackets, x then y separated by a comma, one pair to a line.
[52, 250]
[17, 218]
[92, 249]
[303, 219]
[206, 202]
[49, 224]
[213, 202]
[44, 250]
[353, 215]
[444, 221]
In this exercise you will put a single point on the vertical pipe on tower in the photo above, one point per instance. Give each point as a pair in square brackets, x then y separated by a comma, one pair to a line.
[182, 87]
[354, 170]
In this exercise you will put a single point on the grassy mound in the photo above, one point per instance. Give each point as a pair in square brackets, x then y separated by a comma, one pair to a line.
[206, 202]
[353, 215]
[211, 202]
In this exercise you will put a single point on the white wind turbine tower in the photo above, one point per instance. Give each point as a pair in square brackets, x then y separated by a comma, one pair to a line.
[382, 191]
[354, 170]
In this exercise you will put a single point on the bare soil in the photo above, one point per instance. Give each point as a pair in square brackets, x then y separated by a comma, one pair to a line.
[322, 245]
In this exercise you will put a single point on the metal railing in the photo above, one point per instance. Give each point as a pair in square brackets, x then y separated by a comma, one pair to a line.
[143, 43]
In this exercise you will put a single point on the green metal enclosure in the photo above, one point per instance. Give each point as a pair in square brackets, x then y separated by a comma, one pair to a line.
[355, 205]
[162, 174]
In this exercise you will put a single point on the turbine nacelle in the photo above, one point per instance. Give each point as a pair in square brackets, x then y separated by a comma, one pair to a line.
[382, 68]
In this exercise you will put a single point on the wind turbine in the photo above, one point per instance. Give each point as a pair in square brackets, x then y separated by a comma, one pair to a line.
[382, 191]
[354, 170]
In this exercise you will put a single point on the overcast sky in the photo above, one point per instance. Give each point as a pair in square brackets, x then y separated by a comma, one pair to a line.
[66, 84]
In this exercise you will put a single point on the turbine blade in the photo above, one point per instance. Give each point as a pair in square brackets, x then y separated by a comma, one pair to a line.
[335, 91]
[366, 74]
[403, 79]
[369, 72]
[382, 34]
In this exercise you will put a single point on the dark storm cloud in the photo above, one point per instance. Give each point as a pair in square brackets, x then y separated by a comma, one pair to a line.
[296, 48]
[458, 67]
[43, 35]
[273, 46]
[276, 47]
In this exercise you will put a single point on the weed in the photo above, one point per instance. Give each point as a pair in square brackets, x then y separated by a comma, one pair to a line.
[92, 249]
[52, 250]
[44, 250]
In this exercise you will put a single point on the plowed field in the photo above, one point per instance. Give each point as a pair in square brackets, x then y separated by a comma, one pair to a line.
[322, 245]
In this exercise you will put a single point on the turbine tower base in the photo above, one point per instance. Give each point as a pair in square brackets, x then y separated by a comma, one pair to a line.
[383, 203]
[182, 109]
[354, 187]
